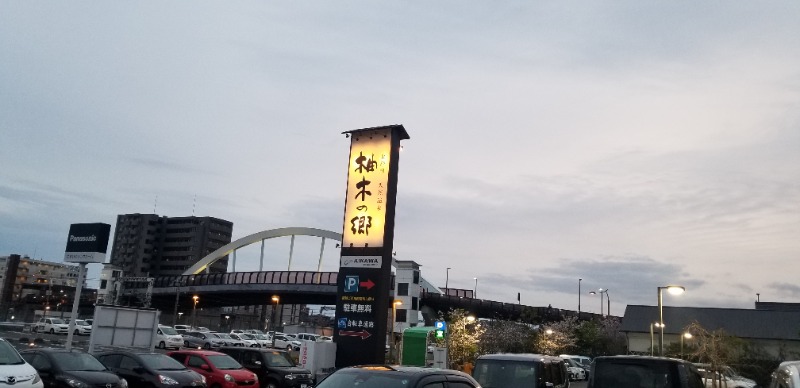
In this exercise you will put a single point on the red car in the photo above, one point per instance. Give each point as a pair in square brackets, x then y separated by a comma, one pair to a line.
[219, 369]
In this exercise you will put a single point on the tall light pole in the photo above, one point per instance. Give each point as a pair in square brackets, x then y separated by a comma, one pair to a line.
[579, 298]
[601, 292]
[674, 290]
[194, 312]
[275, 300]
[652, 340]
[687, 336]
[393, 343]
[475, 291]
[447, 281]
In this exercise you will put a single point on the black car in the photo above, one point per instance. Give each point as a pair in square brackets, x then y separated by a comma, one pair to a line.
[274, 367]
[384, 376]
[635, 371]
[521, 370]
[151, 369]
[61, 368]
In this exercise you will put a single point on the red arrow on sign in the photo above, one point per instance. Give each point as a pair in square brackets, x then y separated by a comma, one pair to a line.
[363, 334]
[368, 284]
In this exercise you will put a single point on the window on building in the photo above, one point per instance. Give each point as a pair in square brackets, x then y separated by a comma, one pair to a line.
[414, 303]
[402, 289]
[416, 277]
[401, 315]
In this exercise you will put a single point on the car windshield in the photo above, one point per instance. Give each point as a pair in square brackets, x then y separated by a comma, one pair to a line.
[363, 378]
[223, 335]
[246, 336]
[169, 331]
[9, 355]
[224, 362]
[57, 321]
[80, 322]
[161, 362]
[278, 359]
[261, 337]
[505, 373]
[73, 361]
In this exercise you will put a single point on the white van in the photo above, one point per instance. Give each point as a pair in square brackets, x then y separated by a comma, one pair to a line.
[15, 370]
[167, 337]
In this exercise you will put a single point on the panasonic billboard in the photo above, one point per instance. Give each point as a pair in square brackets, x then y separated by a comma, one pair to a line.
[87, 243]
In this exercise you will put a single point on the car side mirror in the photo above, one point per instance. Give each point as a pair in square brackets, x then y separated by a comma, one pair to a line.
[205, 367]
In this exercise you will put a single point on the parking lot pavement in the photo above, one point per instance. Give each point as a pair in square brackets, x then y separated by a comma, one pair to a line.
[578, 384]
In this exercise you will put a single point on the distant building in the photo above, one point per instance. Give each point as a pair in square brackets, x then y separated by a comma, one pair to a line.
[21, 276]
[775, 331]
[153, 245]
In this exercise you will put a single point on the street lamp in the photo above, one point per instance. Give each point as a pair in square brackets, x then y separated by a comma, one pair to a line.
[652, 340]
[475, 291]
[447, 281]
[674, 290]
[579, 298]
[601, 292]
[392, 341]
[194, 311]
[275, 300]
[686, 335]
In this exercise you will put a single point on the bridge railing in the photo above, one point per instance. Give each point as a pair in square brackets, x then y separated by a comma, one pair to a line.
[262, 277]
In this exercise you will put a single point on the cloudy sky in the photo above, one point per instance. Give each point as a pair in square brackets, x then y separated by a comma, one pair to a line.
[631, 144]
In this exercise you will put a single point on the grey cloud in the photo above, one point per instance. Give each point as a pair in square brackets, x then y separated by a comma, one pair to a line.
[786, 289]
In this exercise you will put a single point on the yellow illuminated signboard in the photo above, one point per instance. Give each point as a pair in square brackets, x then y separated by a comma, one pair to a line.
[367, 184]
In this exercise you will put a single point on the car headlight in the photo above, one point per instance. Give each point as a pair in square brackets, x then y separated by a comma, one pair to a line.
[229, 378]
[75, 383]
[203, 379]
[255, 377]
[36, 378]
[166, 380]
[123, 383]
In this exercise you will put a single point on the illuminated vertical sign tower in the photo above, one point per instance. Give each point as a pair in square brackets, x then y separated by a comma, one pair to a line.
[365, 267]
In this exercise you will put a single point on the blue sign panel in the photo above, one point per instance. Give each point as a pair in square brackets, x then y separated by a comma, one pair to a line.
[342, 323]
[441, 325]
[351, 283]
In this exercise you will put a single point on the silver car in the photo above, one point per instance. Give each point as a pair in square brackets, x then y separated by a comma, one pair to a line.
[196, 339]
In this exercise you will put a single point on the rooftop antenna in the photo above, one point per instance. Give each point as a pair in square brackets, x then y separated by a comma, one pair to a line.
[155, 204]
[194, 202]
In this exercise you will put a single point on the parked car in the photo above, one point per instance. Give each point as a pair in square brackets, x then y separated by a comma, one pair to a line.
[584, 361]
[275, 368]
[196, 339]
[81, 327]
[182, 328]
[151, 369]
[325, 338]
[71, 369]
[635, 371]
[168, 337]
[15, 370]
[398, 376]
[52, 326]
[307, 337]
[219, 369]
[786, 375]
[227, 339]
[284, 341]
[724, 376]
[521, 370]
[249, 340]
[575, 370]
[263, 340]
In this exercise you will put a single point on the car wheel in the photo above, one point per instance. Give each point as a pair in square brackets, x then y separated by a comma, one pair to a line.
[186, 343]
[271, 385]
[76, 332]
[52, 331]
[162, 345]
[288, 348]
[207, 346]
